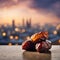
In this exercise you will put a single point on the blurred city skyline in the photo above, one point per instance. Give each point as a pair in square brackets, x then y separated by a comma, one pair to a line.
[40, 11]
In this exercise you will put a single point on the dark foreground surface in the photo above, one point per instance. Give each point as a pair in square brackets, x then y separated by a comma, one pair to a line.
[16, 53]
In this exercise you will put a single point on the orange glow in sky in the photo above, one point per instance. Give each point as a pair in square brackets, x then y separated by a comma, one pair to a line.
[20, 11]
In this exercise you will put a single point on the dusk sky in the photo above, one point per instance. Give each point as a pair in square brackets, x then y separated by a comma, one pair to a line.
[40, 11]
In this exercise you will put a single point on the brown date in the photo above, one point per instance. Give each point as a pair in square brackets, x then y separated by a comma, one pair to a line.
[28, 46]
[40, 47]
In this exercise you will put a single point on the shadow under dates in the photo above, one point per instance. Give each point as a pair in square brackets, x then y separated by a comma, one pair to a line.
[27, 55]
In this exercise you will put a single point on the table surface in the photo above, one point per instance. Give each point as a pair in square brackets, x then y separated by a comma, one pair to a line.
[16, 53]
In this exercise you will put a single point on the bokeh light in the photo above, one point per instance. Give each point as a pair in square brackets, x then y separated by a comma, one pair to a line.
[11, 37]
[4, 34]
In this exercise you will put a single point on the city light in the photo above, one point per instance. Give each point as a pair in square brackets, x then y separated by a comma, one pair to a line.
[16, 37]
[11, 37]
[4, 34]
[59, 41]
[28, 38]
[55, 32]
[17, 29]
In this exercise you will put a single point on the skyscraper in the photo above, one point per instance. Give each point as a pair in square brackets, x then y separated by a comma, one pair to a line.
[28, 23]
[13, 24]
[23, 22]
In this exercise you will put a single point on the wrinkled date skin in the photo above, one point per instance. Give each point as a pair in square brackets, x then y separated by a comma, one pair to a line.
[40, 47]
[28, 46]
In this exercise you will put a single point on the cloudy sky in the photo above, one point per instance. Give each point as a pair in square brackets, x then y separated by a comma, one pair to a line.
[40, 11]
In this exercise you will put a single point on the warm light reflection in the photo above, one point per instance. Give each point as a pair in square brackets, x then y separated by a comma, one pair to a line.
[55, 32]
[11, 37]
[10, 44]
[4, 34]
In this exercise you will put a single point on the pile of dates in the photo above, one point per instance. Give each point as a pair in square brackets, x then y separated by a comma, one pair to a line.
[38, 42]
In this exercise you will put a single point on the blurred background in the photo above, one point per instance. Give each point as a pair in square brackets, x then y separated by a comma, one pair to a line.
[19, 19]
[16, 34]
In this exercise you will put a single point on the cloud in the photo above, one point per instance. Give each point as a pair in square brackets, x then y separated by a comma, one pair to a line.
[10, 3]
[47, 6]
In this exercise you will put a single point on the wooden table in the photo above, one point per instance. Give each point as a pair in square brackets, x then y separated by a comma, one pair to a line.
[16, 53]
